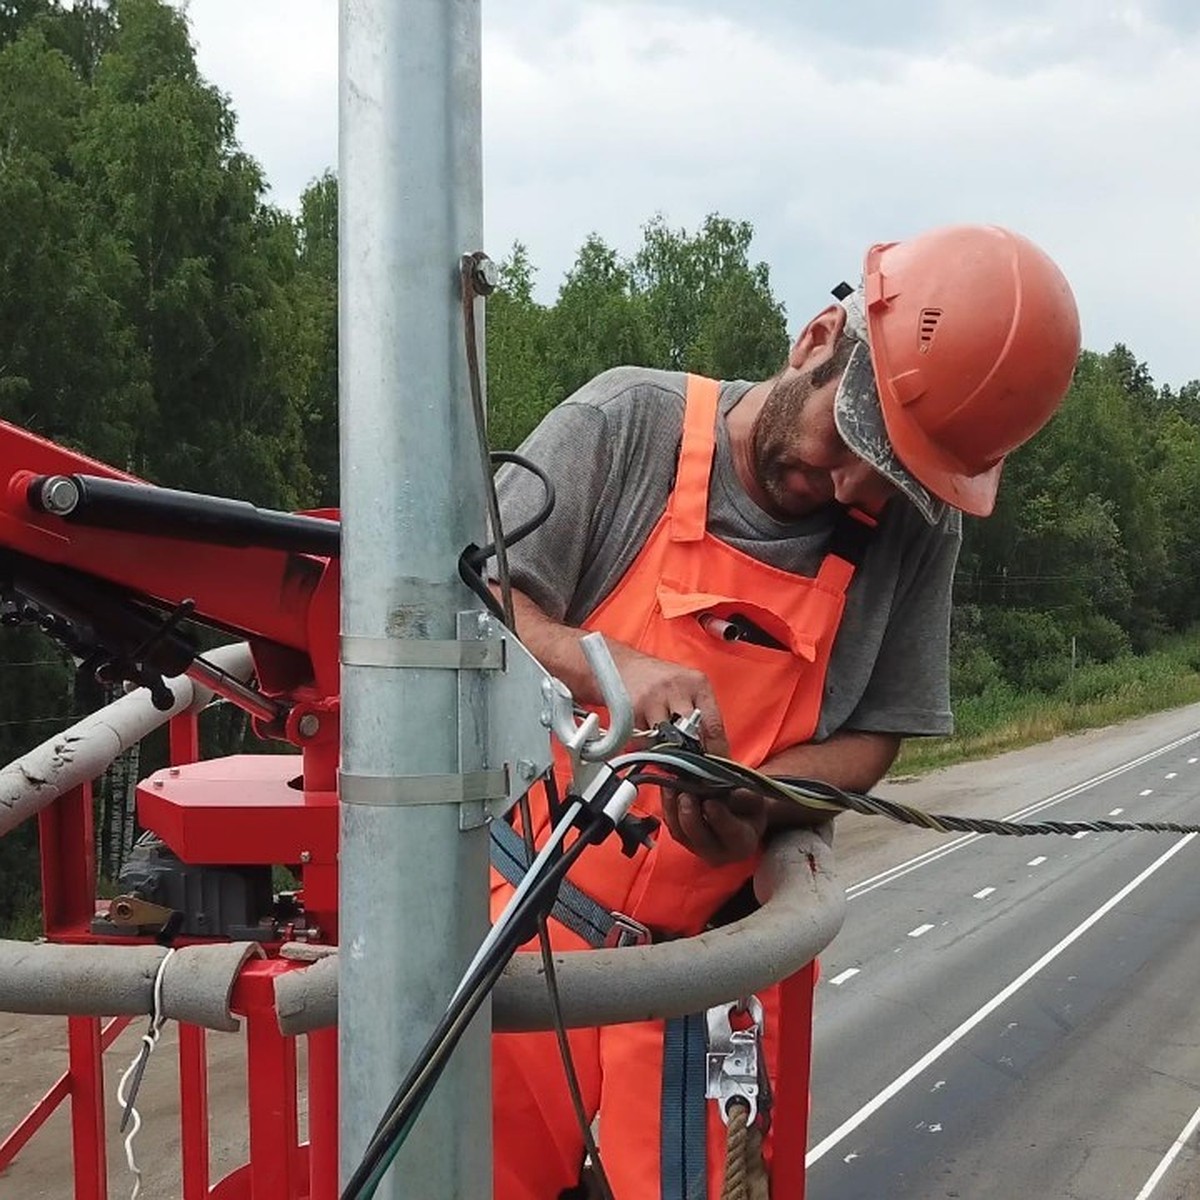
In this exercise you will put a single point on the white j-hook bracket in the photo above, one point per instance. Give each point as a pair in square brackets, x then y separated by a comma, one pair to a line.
[584, 739]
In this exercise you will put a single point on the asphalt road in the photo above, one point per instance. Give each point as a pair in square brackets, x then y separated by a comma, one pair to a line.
[1006, 1017]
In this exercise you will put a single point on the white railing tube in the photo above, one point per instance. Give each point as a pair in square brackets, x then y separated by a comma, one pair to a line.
[87, 748]
[118, 981]
[803, 907]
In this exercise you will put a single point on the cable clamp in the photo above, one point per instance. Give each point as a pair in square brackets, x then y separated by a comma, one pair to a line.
[403, 790]
[423, 653]
[735, 1066]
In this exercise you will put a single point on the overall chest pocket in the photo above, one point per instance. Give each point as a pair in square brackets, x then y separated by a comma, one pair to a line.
[734, 629]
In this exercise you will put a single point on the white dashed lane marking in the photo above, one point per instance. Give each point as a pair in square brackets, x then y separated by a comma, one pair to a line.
[1147, 792]
[1036, 862]
[1170, 774]
[919, 931]
[1081, 834]
[1193, 760]
[848, 973]
[984, 893]
[1116, 812]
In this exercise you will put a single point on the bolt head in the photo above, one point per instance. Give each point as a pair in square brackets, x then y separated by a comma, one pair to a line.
[487, 276]
[60, 495]
[305, 856]
[309, 725]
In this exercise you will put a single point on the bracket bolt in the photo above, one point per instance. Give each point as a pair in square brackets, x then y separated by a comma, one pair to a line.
[305, 856]
[525, 768]
[309, 725]
[485, 274]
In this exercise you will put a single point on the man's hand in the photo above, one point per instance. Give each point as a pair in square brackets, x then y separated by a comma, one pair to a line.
[660, 690]
[720, 831]
[657, 689]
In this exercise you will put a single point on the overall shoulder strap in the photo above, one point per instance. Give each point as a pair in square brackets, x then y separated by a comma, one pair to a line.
[687, 508]
[853, 532]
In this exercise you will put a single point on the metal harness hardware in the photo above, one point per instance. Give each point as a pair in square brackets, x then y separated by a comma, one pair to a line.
[626, 931]
[734, 1062]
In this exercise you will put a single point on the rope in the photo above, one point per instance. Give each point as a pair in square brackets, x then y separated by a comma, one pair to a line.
[745, 1168]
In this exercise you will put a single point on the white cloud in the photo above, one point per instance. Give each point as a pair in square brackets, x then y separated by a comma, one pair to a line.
[1070, 121]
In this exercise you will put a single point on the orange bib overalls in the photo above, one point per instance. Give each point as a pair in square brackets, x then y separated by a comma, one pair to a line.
[770, 699]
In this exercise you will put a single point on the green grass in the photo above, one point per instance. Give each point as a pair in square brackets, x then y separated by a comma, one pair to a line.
[25, 926]
[1001, 718]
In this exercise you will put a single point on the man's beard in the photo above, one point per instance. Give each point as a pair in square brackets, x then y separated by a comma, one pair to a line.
[774, 434]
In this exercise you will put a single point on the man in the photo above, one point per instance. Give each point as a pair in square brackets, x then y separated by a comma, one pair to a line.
[815, 516]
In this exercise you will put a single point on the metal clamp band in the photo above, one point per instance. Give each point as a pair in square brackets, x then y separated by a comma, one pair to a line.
[423, 652]
[399, 790]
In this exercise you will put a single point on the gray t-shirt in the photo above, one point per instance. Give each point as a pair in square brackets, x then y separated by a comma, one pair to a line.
[612, 449]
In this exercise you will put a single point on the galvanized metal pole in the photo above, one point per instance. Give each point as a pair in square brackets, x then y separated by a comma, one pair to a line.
[413, 886]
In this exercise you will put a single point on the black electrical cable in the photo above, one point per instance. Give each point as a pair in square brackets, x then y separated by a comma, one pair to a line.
[513, 536]
[554, 808]
[425, 1071]
[685, 770]
[473, 559]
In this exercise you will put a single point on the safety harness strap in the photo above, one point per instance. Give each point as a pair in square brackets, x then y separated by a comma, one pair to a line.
[574, 908]
[683, 1121]
[684, 1143]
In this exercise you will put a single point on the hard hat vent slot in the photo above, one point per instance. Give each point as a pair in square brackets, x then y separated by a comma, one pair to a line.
[929, 323]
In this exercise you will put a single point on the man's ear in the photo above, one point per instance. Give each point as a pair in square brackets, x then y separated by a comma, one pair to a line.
[818, 338]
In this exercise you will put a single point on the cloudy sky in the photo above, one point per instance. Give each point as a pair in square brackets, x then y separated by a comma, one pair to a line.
[827, 125]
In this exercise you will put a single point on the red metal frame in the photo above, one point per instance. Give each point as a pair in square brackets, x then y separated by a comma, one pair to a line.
[791, 1100]
[280, 1167]
[249, 809]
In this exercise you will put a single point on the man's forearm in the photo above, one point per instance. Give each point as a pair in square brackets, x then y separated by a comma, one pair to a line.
[556, 647]
[852, 760]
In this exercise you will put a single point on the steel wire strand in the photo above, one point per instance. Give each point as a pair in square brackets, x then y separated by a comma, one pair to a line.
[675, 767]
[471, 565]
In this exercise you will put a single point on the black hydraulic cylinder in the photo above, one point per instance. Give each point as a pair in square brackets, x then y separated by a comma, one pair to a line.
[188, 516]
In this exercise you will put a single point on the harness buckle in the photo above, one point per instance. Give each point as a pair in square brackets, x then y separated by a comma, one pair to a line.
[735, 1066]
[626, 931]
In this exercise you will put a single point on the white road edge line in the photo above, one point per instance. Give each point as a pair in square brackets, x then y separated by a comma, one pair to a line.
[869, 885]
[950, 1040]
[1168, 1158]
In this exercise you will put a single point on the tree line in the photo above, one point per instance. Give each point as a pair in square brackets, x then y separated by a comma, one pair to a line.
[157, 312]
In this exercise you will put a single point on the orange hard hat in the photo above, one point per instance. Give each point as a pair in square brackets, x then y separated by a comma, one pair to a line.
[973, 336]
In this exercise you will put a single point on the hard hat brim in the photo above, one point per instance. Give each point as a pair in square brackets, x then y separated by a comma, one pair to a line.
[858, 415]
